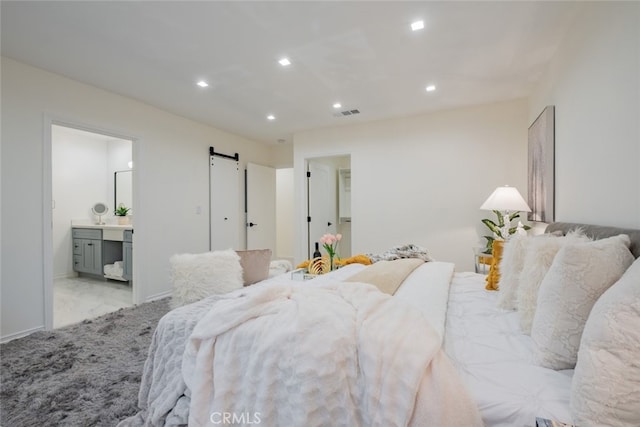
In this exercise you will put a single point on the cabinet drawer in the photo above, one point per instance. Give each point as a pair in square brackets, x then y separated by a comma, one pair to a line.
[77, 247]
[77, 263]
[86, 233]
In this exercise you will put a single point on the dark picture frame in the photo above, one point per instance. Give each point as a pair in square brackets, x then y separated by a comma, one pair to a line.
[541, 170]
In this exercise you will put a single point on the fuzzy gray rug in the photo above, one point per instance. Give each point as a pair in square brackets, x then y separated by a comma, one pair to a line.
[86, 374]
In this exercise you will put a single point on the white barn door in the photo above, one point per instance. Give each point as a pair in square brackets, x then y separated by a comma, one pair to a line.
[224, 203]
[261, 207]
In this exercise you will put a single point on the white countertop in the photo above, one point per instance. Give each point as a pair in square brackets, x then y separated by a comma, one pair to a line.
[86, 224]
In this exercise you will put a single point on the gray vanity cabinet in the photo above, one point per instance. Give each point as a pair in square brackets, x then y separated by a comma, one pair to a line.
[127, 255]
[87, 250]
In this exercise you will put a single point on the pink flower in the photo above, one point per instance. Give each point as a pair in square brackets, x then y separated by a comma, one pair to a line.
[330, 243]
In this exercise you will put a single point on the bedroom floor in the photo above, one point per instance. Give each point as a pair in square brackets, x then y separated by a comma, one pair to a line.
[78, 298]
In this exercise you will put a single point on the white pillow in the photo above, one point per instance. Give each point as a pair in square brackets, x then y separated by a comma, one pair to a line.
[196, 276]
[580, 273]
[539, 255]
[511, 266]
[605, 389]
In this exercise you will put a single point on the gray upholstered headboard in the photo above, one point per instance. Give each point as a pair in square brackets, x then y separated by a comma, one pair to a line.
[599, 232]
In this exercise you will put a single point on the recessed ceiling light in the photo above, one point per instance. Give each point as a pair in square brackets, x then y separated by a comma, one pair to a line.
[202, 83]
[271, 117]
[418, 25]
[285, 62]
[431, 88]
[337, 105]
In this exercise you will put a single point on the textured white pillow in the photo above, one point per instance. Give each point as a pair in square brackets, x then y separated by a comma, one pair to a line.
[605, 389]
[539, 255]
[579, 274]
[196, 276]
[511, 266]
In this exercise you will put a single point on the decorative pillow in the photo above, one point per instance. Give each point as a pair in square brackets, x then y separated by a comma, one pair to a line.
[539, 255]
[580, 273]
[255, 265]
[605, 389]
[196, 276]
[510, 268]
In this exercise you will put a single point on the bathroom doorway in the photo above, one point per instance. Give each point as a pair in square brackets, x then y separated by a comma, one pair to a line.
[87, 167]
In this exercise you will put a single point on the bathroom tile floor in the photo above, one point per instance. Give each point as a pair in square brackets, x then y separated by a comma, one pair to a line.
[78, 298]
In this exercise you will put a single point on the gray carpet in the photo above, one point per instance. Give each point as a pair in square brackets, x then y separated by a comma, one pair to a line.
[86, 374]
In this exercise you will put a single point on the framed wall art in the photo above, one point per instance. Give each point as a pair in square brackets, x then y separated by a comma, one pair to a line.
[541, 176]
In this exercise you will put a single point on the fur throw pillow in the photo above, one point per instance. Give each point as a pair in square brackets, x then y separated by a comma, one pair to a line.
[539, 255]
[510, 268]
[197, 276]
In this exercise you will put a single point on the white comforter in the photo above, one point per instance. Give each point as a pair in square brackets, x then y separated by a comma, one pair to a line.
[318, 356]
[373, 361]
[495, 360]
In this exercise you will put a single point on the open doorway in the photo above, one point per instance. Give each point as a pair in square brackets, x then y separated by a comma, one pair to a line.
[90, 249]
[329, 201]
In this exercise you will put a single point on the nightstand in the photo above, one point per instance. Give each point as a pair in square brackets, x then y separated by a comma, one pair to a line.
[482, 261]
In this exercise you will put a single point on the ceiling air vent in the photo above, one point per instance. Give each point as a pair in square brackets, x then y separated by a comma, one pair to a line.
[347, 113]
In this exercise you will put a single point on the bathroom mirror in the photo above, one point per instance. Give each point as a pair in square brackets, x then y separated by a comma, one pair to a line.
[122, 188]
[100, 209]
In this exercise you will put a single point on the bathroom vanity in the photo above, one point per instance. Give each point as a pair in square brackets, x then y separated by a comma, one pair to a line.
[95, 246]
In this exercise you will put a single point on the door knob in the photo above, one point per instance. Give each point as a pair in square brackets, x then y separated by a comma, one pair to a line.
[251, 224]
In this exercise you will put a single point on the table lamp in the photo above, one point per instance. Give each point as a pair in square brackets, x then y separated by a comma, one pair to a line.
[505, 200]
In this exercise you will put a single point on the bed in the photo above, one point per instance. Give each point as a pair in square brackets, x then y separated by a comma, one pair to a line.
[456, 358]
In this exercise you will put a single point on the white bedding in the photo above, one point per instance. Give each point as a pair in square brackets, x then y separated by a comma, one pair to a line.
[338, 354]
[165, 399]
[495, 359]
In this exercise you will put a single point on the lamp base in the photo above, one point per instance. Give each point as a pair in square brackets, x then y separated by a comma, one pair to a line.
[494, 271]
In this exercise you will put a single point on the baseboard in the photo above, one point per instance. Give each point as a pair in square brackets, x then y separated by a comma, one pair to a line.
[159, 296]
[17, 335]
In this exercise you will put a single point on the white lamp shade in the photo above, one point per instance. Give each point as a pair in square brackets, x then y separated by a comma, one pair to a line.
[505, 199]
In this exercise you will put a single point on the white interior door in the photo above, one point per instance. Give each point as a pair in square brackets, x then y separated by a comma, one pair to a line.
[322, 203]
[224, 184]
[261, 207]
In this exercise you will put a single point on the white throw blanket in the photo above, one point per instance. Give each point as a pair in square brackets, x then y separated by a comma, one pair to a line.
[337, 354]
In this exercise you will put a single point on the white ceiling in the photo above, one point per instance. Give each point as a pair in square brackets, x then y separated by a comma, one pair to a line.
[362, 54]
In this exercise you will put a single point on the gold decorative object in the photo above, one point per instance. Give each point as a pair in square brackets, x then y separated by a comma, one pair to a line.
[494, 271]
[319, 265]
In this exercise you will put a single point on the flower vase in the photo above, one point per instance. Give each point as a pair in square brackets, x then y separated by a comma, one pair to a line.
[333, 263]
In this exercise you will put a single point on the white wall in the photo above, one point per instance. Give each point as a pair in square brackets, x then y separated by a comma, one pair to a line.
[119, 154]
[171, 181]
[594, 82]
[422, 179]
